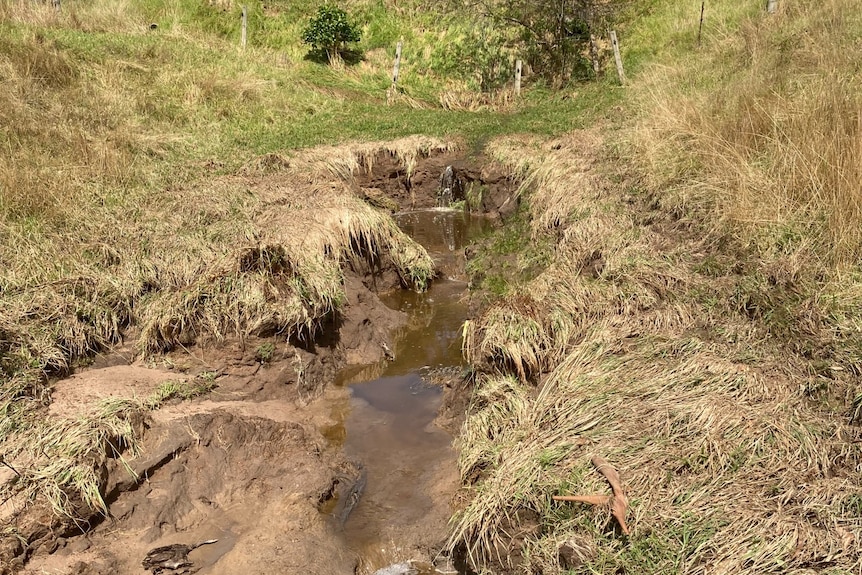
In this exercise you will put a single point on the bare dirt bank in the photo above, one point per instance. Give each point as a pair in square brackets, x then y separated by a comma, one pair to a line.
[246, 465]
[249, 462]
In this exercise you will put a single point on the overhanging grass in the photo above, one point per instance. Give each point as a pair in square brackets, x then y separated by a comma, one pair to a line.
[62, 460]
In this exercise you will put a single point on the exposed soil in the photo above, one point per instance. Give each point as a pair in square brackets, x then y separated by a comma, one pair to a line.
[251, 482]
[246, 465]
[249, 464]
[420, 189]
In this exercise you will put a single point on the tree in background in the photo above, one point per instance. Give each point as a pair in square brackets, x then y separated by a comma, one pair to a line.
[556, 37]
[330, 31]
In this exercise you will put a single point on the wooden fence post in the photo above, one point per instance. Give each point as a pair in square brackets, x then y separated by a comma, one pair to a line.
[771, 6]
[392, 92]
[594, 55]
[397, 65]
[518, 77]
[700, 28]
[618, 58]
[244, 36]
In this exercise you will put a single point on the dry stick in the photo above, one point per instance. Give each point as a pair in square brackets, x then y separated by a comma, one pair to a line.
[517, 77]
[700, 28]
[618, 58]
[590, 499]
[244, 35]
[9, 465]
[619, 502]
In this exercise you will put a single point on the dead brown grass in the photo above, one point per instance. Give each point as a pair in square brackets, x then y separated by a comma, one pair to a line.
[774, 141]
[108, 16]
[461, 99]
[642, 343]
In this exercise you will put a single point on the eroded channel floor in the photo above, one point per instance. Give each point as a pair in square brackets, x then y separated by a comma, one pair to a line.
[388, 421]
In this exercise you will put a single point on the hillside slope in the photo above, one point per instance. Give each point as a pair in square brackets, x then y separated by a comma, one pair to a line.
[679, 291]
[699, 327]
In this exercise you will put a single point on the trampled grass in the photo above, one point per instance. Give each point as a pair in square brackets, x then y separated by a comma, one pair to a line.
[646, 343]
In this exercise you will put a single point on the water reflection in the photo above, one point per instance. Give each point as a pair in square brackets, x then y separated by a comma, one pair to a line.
[388, 422]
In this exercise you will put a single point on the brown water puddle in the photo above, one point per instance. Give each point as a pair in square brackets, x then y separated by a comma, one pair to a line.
[388, 421]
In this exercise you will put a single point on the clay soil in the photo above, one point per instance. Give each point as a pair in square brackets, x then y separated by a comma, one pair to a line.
[247, 464]
[419, 189]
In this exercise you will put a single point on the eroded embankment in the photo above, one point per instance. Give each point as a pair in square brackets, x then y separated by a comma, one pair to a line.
[714, 378]
[274, 294]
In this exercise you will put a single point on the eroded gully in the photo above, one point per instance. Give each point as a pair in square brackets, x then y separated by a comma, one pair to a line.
[388, 421]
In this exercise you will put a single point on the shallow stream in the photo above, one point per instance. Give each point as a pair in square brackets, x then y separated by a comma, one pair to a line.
[388, 420]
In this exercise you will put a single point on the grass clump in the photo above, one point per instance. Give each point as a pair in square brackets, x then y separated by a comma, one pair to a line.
[182, 390]
[264, 352]
[61, 460]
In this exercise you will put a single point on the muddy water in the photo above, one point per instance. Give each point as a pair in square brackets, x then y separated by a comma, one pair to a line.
[387, 422]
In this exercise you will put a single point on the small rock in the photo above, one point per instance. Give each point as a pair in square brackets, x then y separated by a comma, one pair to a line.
[574, 553]
[444, 566]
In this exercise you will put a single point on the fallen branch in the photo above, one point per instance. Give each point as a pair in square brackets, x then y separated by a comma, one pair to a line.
[591, 499]
[619, 502]
[9, 465]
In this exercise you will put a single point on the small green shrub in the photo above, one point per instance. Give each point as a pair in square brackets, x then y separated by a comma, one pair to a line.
[265, 352]
[330, 30]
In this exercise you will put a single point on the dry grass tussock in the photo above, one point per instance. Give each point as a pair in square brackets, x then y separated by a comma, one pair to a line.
[766, 125]
[461, 99]
[62, 461]
[252, 253]
[105, 16]
[737, 455]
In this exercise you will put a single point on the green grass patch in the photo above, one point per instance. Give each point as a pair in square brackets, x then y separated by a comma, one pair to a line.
[509, 257]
